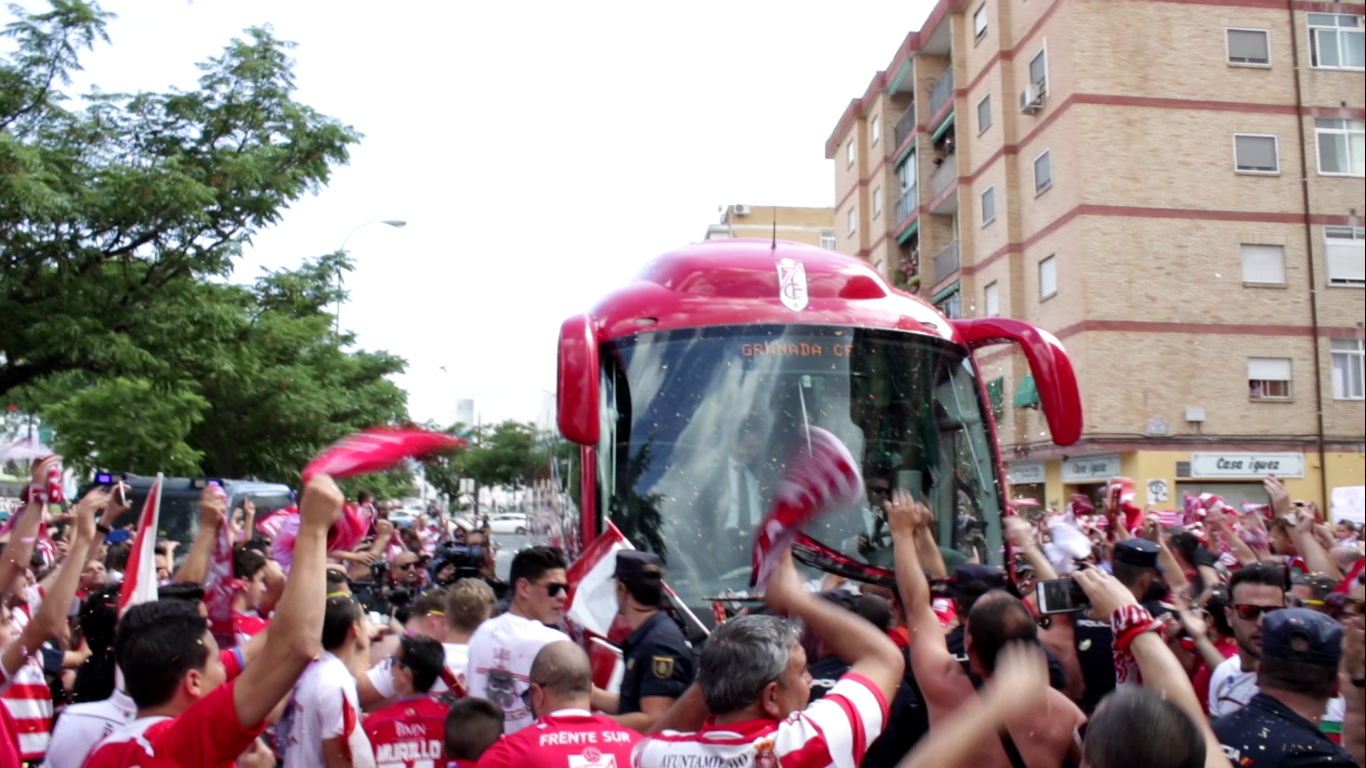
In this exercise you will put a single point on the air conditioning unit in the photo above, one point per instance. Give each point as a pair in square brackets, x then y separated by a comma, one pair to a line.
[741, 210]
[1031, 98]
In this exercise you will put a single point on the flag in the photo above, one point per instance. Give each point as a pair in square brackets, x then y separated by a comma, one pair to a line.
[592, 590]
[219, 584]
[378, 449]
[140, 576]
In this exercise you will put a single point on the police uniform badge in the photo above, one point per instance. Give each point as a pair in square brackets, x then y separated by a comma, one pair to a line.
[662, 666]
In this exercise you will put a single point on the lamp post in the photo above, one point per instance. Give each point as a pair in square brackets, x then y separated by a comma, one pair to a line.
[395, 223]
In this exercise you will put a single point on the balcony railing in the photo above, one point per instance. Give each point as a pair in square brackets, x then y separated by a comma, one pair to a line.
[907, 203]
[905, 126]
[943, 91]
[944, 176]
[946, 262]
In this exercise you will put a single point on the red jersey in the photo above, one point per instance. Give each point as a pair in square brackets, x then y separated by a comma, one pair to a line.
[9, 739]
[411, 733]
[207, 735]
[572, 738]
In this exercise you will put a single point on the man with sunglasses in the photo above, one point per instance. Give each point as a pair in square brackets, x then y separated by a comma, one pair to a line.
[502, 649]
[1254, 591]
[412, 731]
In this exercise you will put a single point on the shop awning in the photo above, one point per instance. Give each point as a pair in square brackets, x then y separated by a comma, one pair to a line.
[942, 129]
[1027, 396]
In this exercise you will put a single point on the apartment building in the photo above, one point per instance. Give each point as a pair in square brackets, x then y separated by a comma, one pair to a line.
[1174, 189]
[813, 226]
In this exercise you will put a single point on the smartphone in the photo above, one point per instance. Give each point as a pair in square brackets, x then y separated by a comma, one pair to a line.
[122, 491]
[1061, 596]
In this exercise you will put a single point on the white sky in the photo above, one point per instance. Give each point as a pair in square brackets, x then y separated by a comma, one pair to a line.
[539, 151]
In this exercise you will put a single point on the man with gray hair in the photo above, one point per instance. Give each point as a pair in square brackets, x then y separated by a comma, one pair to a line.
[753, 683]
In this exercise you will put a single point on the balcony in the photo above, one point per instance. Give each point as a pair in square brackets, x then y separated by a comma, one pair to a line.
[943, 91]
[907, 203]
[945, 176]
[905, 127]
[946, 262]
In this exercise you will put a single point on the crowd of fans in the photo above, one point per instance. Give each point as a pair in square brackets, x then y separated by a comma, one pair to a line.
[1234, 639]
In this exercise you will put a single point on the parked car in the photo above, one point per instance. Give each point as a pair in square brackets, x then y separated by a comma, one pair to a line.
[179, 519]
[509, 522]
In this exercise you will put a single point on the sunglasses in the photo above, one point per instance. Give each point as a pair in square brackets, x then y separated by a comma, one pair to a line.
[395, 660]
[406, 566]
[554, 588]
[1300, 602]
[526, 695]
[1252, 612]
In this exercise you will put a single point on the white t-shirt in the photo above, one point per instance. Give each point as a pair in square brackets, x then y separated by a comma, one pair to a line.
[1230, 689]
[82, 726]
[457, 661]
[324, 705]
[501, 652]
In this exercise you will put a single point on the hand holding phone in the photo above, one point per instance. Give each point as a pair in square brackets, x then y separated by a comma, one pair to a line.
[1061, 596]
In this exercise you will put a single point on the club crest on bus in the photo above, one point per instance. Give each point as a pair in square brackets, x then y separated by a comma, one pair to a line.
[792, 285]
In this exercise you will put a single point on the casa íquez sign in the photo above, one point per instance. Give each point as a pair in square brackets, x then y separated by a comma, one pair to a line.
[1246, 465]
[1025, 473]
[1090, 469]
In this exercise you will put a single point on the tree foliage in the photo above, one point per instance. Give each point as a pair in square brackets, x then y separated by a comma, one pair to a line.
[260, 391]
[115, 210]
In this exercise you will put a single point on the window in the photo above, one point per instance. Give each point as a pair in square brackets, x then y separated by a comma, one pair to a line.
[1345, 254]
[877, 201]
[1038, 70]
[1048, 277]
[989, 205]
[849, 154]
[1349, 369]
[1249, 47]
[979, 21]
[1342, 147]
[1268, 378]
[1337, 41]
[1043, 172]
[852, 220]
[874, 130]
[984, 114]
[951, 306]
[992, 300]
[1254, 153]
[828, 239]
[1263, 264]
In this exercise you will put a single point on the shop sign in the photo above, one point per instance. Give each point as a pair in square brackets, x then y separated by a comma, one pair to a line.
[1090, 469]
[1025, 473]
[1246, 465]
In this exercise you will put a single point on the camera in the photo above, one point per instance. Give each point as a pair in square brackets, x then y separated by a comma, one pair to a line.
[468, 561]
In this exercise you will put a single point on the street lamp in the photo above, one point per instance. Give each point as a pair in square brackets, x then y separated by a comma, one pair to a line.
[395, 223]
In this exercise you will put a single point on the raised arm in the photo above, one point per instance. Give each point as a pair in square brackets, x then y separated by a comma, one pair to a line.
[51, 616]
[930, 655]
[1019, 686]
[24, 534]
[212, 508]
[1021, 536]
[869, 651]
[1156, 663]
[297, 629]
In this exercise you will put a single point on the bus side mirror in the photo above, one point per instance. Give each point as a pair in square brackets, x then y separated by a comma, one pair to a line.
[576, 398]
[1048, 361]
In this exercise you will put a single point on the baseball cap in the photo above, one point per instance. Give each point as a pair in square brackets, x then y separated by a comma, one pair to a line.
[1299, 634]
[976, 580]
[1140, 553]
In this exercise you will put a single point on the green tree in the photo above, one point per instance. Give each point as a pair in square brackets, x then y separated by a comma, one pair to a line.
[508, 456]
[447, 471]
[259, 393]
[116, 210]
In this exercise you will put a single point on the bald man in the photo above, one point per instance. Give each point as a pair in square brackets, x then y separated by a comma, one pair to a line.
[565, 731]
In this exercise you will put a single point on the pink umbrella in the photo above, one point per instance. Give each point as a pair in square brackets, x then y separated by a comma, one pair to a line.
[27, 449]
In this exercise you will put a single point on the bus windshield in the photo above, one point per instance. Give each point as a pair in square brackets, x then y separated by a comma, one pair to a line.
[698, 424]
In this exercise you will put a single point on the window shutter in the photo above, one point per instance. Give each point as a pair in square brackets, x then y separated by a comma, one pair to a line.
[1264, 264]
[1257, 153]
[1247, 46]
[1268, 369]
[1346, 262]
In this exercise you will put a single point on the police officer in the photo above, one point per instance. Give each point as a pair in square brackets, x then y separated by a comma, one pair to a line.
[659, 662]
[1135, 565]
[1298, 675]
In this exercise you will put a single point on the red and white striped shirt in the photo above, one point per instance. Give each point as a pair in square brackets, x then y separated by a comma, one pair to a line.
[25, 692]
[833, 732]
